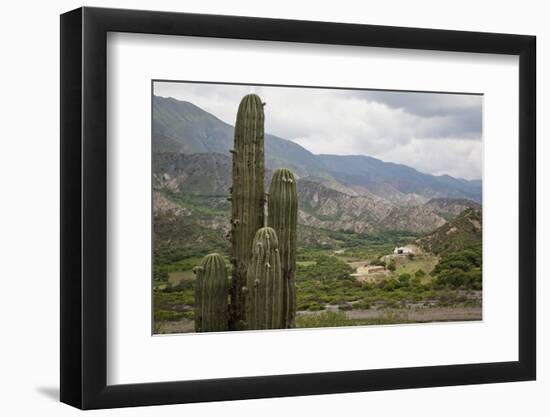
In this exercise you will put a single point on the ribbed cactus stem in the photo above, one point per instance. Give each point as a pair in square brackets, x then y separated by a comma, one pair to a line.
[264, 283]
[247, 197]
[211, 292]
[282, 217]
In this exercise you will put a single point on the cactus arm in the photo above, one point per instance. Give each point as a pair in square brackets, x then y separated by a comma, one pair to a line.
[264, 283]
[211, 291]
[282, 217]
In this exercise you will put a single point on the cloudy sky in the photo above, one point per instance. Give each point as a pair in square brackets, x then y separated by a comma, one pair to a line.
[434, 133]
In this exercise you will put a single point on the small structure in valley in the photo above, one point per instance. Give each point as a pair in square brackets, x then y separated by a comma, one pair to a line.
[402, 250]
[369, 273]
[374, 269]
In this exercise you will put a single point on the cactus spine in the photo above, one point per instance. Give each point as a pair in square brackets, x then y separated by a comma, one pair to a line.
[282, 217]
[211, 290]
[247, 198]
[264, 283]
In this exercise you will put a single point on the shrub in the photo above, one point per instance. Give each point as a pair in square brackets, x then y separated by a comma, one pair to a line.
[390, 285]
[168, 315]
[453, 278]
[416, 281]
[316, 307]
[326, 269]
[361, 305]
[378, 262]
[302, 306]
[390, 305]
[190, 315]
[325, 319]
[419, 273]
[404, 277]
[461, 269]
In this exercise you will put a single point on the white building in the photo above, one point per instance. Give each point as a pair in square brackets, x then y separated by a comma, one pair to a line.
[402, 250]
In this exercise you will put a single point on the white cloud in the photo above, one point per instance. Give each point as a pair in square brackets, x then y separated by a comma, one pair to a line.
[457, 158]
[434, 133]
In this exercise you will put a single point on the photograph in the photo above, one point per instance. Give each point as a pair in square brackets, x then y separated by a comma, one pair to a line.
[288, 207]
[316, 208]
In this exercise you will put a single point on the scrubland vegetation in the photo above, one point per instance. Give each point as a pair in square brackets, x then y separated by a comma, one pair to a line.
[329, 296]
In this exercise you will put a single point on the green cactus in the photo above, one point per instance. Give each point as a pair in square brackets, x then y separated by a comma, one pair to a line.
[282, 217]
[264, 289]
[247, 198]
[211, 291]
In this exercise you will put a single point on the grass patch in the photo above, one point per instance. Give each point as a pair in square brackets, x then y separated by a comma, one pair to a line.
[176, 277]
[325, 319]
[339, 319]
[305, 263]
[424, 262]
[168, 315]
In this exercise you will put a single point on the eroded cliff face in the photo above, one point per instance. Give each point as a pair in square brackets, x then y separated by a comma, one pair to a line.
[196, 186]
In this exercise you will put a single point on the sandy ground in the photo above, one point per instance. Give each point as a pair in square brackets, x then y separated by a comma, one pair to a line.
[179, 326]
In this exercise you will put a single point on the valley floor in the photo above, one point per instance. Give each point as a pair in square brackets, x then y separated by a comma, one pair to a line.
[334, 318]
[365, 284]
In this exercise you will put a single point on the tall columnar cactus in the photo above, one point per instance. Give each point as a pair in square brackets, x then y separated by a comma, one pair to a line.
[247, 197]
[211, 291]
[282, 217]
[264, 289]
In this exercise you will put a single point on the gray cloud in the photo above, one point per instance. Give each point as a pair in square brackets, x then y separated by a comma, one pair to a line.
[434, 133]
[425, 104]
[458, 114]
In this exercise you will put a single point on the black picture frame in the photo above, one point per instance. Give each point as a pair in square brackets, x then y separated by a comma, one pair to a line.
[84, 207]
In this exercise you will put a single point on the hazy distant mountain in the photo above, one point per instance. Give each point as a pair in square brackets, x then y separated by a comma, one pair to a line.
[372, 173]
[182, 127]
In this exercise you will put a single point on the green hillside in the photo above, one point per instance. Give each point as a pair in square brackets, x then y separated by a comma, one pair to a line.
[462, 232]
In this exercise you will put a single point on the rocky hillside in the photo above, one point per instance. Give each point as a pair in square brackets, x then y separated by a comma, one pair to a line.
[327, 208]
[461, 232]
[195, 174]
[417, 219]
[449, 208]
[185, 178]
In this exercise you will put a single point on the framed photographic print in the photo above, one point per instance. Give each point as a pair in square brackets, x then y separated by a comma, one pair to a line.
[257, 207]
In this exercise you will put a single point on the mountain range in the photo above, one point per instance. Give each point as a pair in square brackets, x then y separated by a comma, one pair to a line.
[356, 193]
[182, 127]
